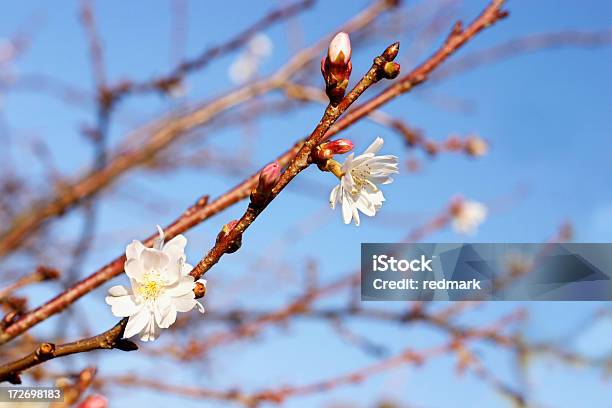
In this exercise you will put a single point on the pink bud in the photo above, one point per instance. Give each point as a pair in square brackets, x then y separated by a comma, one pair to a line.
[456, 205]
[94, 401]
[339, 146]
[226, 229]
[339, 51]
[232, 246]
[268, 178]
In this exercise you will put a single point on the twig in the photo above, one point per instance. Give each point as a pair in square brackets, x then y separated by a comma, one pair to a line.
[166, 131]
[203, 210]
[299, 162]
[41, 274]
[110, 339]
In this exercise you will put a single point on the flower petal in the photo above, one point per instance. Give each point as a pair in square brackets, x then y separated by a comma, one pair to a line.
[153, 259]
[187, 268]
[158, 243]
[138, 322]
[134, 249]
[175, 248]
[365, 205]
[123, 306]
[347, 210]
[375, 146]
[173, 271]
[356, 216]
[150, 331]
[184, 285]
[133, 269]
[168, 317]
[118, 290]
[348, 163]
[333, 197]
[185, 303]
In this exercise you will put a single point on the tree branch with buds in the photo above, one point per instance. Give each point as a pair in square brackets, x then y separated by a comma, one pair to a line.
[203, 210]
[110, 339]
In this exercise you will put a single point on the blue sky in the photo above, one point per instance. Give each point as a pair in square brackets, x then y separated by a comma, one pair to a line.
[546, 115]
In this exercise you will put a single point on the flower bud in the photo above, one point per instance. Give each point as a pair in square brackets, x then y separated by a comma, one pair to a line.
[338, 146]
[327, 150]
[391, 52]
[320, 155]
[453, 143]
[476, 146]
[339, 52]
[48, 273]
[269, 176]
[391, 70]
[94, 401]
[267, 180]
[227, 228]
[200, 288]
[336, 67]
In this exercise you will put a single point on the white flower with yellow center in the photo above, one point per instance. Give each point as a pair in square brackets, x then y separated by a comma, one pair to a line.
[359, 179]
[161, 287]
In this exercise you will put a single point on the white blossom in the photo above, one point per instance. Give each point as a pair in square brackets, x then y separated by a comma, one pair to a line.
[246, 65]
[260, 45]
[358, 189]
[243, 68]
[161, 287]
[467, 216]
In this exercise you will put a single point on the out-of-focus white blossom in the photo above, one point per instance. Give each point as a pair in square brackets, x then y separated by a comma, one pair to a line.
[260, 45]
[246, 65]
[467, 216]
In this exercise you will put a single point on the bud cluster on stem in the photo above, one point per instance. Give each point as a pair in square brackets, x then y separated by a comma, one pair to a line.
[336, 67]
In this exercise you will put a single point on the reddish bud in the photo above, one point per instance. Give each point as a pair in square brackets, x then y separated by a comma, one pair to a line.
[268, 178]
[321, 155]
[94, 401]
[339, 52]
[453, 143]
[199, 290]
[327, 150]
[391, 52]
[338, 146]
[48, 273]
[456, 204]
[225, 231]
[336, 67]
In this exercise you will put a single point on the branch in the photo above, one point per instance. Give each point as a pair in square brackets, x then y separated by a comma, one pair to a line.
[166, 131]
[41, 274]
[203, 210]
[110, 339]
[456, 39]
[300, 162]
